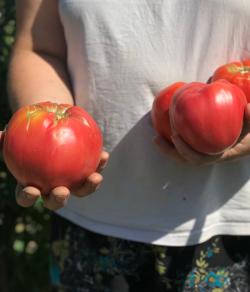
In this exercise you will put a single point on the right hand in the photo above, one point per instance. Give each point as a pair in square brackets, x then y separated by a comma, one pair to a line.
[182, 152]
[57, 198]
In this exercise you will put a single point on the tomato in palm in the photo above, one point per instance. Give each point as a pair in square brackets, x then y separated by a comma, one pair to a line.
[208, 117]
[48, 145]
[237, 73]
[160, 110]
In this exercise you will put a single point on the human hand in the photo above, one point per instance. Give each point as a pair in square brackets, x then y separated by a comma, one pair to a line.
[182, 152]
[57, 198]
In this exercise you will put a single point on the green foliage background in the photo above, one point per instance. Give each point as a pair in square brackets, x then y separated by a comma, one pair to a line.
[24, 233]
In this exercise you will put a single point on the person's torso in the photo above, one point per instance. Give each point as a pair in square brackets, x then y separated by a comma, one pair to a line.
[120, 55]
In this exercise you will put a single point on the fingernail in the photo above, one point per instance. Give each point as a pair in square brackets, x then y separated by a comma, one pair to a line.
[28, 196]
[61, 199]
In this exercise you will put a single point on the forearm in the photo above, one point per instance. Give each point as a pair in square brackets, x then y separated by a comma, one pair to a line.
[35, 77]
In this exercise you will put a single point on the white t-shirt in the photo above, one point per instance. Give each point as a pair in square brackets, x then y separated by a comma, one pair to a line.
[121, 53]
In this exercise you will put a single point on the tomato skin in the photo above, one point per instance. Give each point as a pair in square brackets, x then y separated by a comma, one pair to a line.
[160, 110]
[208, 117]
[238, 73]
[48, 145]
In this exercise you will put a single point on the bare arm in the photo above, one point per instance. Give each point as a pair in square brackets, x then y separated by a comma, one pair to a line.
[38, 70]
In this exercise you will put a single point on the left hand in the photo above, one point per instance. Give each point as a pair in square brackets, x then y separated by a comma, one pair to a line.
[27, 196]
[184, 153]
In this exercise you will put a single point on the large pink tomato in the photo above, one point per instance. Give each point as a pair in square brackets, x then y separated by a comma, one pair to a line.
[208, 117]
[160, 110]
[48, 145]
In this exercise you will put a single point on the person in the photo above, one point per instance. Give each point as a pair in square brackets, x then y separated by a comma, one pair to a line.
[163, 218]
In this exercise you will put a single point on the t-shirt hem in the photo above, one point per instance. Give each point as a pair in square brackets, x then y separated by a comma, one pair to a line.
[164, 237]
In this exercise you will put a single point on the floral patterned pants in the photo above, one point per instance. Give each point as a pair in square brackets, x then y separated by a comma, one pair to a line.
[83, 261]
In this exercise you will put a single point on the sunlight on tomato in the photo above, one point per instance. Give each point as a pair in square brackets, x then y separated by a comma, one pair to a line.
[208, 117]
[48, 145]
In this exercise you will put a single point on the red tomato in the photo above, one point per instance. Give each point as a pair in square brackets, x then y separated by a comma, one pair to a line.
[208, 117]
[160, 110]
[237, 73]
[48, 145]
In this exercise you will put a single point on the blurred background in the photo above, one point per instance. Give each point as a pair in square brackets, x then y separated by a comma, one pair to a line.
[24, 233]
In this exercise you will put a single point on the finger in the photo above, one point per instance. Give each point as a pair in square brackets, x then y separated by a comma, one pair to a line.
[168, 149]
[57, 198]
[230, 154]
[103, 161]
[191, 155]
[26, 197]
[91, 184]
[239, 150]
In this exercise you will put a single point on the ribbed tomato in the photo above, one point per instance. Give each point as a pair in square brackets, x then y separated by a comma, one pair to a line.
[237, 73]
[48, 145]
[208, 117]
[160, 110]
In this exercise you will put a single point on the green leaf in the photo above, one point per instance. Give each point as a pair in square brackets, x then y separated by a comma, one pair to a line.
[10, 27]
[19, 246]
[9, 40]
